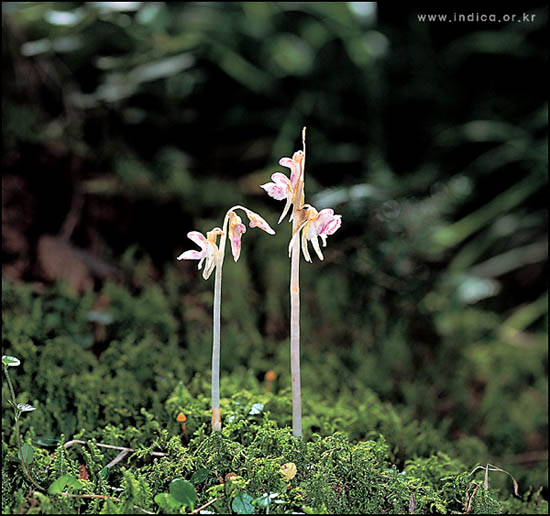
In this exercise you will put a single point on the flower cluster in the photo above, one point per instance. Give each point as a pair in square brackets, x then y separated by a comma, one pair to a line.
[305, 218]
[210, 254]
[314, 224]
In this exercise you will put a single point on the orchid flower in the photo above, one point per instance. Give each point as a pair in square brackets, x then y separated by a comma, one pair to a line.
[317, 224]
[213, 256]
[208, 253]
[314, 225]
[284, 188]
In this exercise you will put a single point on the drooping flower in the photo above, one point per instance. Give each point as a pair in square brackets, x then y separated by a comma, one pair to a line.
[209, 250]
[281, 186]
[316, 224]
[236, 229]
[256, 221]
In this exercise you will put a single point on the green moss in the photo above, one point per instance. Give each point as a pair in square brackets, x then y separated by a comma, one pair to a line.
[359, 454]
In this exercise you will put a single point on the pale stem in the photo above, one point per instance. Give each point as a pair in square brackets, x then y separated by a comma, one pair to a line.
[295, 305]
[216, 410]
[295, 337]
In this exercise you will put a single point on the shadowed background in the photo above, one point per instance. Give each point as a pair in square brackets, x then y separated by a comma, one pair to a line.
[128, 124]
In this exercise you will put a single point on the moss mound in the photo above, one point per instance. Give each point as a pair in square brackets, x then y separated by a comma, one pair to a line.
[358, 454]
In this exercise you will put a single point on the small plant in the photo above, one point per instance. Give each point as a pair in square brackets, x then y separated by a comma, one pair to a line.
[313, 224]
[182, 418]
[486, 503]
[25, 451]
[213, 256]
[182, 493]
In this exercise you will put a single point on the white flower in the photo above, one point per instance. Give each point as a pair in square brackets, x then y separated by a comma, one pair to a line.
[209, 250]
[282, 187]
[317, 224]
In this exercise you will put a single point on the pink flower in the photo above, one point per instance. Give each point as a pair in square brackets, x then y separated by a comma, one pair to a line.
[281, 186]
[294, 165]
[317, 224]
[256, 221]
[236, 229]
[209, 250]
[326, 223]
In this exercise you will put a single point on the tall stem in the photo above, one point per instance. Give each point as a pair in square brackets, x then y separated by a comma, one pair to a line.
[216, 411]
[295, 336]
[295, 301]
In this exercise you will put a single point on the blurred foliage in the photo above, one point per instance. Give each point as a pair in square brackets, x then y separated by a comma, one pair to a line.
[429, 138]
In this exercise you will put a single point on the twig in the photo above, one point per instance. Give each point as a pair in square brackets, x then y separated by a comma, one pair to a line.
[469, 506]
[103, 497]
[492, 467]
[196, 511]
[68, 444]
[118, 458]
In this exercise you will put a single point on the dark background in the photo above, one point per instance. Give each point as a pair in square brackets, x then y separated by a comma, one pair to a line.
[126, 126]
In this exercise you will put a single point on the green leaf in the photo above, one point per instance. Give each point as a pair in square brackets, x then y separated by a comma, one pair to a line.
[74, 483]
[104, 473]
[10, 361]
[264, 500]
[58, 485]
[65, 481]
[200, 476]
[28, 453]
[49, 442]
[183, 491]
[167, 501]
[25, 407]
[242, 504]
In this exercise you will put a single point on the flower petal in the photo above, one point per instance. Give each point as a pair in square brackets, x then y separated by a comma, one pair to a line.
[305, 250]
[312, 229]
[294, 236]
[190, 255]
[258, 221]
[332, 225]
[198, 238]
[280, 179]
[322, 218]
[294, 167]
[326, 222]
[235, 233]
[276, 191]
[285, 211]
[211, 261]
[315, 243]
